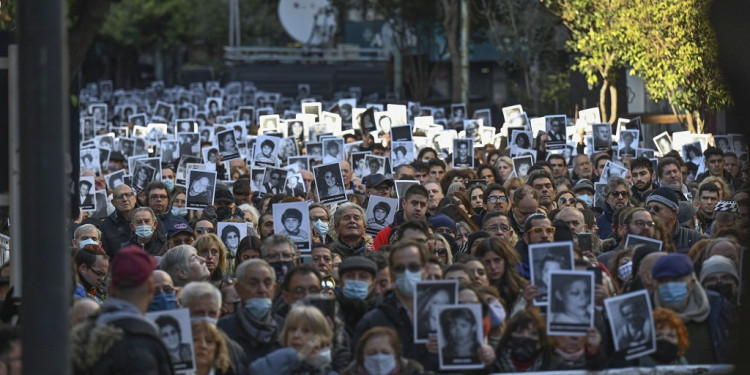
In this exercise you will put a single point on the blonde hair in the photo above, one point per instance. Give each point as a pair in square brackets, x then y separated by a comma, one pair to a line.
[204, 243]
[725, 191]
[221, 357]
[309, 317]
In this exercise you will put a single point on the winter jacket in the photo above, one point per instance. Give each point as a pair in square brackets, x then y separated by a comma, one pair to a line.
[735, 184]
[604, 221]
[363, 246]
[257, 338]
[116, 233]
[285, 361]
[684, 238]
[153, 246]
[119, 341]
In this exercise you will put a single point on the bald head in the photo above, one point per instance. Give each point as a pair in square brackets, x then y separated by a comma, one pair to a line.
[647, 265]
[82, 309]
[162, 280]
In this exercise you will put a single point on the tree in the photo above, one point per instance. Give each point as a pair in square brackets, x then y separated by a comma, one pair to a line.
[596, 34]
[673, 48]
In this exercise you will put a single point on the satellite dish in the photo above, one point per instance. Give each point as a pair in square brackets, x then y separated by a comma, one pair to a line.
[310, 22]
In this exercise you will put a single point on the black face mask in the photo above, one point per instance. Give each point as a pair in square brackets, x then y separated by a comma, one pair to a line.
[725, 289]
[523, 349]
[666, 352]
[223, 213]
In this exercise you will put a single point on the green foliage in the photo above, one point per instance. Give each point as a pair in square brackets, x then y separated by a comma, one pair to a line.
[7, 15]
[148, 24]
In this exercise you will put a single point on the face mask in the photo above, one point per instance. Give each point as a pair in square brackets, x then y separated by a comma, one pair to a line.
[725, 289]
[407, 281]
[673, 292]
[321, 227]
[87, 241]
[356, 289]
[280, 268]
[523, 349]
[223, 213]
[163, 301]
[625, 270]
[258, 307]
[204, 319]
[169, 183]
[319, 359]
[666, 352]
[179, 211]
[380, 364]
[497, 315]
[144, 231]
[586, 199]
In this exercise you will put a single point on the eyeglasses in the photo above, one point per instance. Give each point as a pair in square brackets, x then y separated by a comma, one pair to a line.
[623, 194]
[316, 218]
[202, 230]
[653, 208]
[539, 230]
[498, 228]
[439, 252]
[99, 273]
[572, 223]
[641, 223]
[281, 256]
[443, 230]
[123, 196]
[301, 291]
[569, 200]
[495, 199]
[328, 282]
[412, 267]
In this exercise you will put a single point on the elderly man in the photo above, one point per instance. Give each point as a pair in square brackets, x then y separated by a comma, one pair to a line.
[706, 314]
[184, 265]
[616, 195]
[300, 282]
[92, 264]
[379, 185]
[582, 167]
[86, 234]
[719, 273]
[131, 289]
[349, 224]
[435, 195]
[355, 294]
[253, 326]
[143, 223]
[663, 205]
[280, 252]
[179, 233]
[670, 176]
[165, 294]
[525, 203]
[545, 187]
[116, 228]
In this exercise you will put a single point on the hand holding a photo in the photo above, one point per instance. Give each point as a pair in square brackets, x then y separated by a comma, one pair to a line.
[530, 292]
[600, 294]
[432, 345]
[486, 354]
[593, 341]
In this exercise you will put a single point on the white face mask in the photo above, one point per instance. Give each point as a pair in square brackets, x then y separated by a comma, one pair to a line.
[87, 241]
[380, 364]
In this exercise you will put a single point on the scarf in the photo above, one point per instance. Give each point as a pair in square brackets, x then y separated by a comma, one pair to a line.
[698, 308]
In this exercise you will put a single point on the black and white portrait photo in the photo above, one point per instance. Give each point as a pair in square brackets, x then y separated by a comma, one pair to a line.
[635, 124]
[143, 174]
[693, 152]
[115, 179]
[522, 140]
[359, 164]
[105, 141]
[571, 303]
[86, 193]
[383, 121]
[227, 145]
[401, 153]
[256, 180]
[295, 164]
[162, 111]
[723, 143]
[485, 115]
[365, 120]
[402, 186]
[613, 169]
[522, 164]
[231, 234]
[463, 152]
[246, 114]
[460, 336]
[312, 108]
[90, 160]
[210, 156]
[458, 114]
[303, 90]
[99, 112]
[181, 173]
[329, 183]
[590, 116]
[401, 133]
[295, 128]
[428, 295]
[176, 334]
[628, 143]
[315, 151]
[268, 123]
[200, 189]
[380, 213]
[189, 143]
[633, 240]
[511, 111]
[375, 164]
[170, 152]
[273, 180]
[631, 319]
[266, 151]
[293, 219]
[213, 106]
[294, 185]
[556, 133]
[602, 136]
[663, 143]
[333, 150]
[544, 258]
[345, 109]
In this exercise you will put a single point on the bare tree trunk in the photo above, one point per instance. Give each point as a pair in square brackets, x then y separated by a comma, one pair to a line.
[603, 99]
[612, 104]
[91, 16]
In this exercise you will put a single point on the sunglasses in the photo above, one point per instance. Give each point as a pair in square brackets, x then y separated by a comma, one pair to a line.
[439, 252]
[620, 193]
[202, 230]
[654, 208]
[328, 282]
[539, 230]
[496, 199]
[569, 200]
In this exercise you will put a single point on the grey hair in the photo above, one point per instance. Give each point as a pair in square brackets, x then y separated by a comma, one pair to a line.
[139, 209]
[613, 183]
[196, 290]
[344, 207]
[253, 211]
[85, 228]
[274, 240]
[176, 259]
[242, 269]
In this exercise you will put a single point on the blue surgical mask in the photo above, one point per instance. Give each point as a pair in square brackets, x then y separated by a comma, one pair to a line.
[356, 289]
[144, 231]
[179, 211]
[258, 307]
[407, 281]
[162, 302]
[586, 199]
[169, 183]
[673, 292]
[380, 364]
[203, 319]
[321, 227]
[87, 241]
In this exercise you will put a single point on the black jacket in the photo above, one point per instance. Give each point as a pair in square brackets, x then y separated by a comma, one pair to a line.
[258, 339]
[116, 233]
[152, 246]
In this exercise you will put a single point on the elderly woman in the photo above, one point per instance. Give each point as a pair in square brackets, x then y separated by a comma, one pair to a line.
[379, 352]
[211, 351]
[307, 337]
[184, 265]
[214, 252]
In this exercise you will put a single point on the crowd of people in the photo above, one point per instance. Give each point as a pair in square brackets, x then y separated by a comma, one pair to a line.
[258, 305]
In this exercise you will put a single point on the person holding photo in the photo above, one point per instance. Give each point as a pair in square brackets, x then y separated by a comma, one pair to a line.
[428, 318]
[266, 153]
[379, 352]
[380, 214]
[570, 303]
[291, 219]
[523, 346]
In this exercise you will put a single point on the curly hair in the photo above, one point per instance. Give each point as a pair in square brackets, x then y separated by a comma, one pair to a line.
[725, 192]
[668, 318]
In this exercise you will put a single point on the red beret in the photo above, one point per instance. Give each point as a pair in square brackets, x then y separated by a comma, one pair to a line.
[132, 267]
